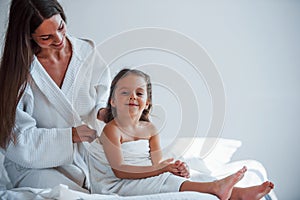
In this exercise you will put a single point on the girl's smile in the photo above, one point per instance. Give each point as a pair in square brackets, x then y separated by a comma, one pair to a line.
[132, 104]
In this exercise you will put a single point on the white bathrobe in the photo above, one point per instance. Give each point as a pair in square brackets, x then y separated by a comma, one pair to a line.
[46, 113]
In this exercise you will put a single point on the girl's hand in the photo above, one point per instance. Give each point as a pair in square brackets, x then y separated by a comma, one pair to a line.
[83, 134]
[183, 169]
[168, 166]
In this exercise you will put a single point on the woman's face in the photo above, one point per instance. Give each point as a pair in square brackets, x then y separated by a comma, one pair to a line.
[51, 33]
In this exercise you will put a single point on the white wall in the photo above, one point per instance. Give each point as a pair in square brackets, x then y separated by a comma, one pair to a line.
[255, 46]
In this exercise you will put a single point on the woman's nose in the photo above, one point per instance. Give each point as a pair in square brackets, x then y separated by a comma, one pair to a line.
[58, 37]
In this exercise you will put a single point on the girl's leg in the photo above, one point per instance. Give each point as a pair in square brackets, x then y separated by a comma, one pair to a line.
[252, 193]
[221, 188]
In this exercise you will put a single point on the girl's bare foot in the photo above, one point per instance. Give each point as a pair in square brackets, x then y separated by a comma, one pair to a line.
[224, 186]
[255, 192]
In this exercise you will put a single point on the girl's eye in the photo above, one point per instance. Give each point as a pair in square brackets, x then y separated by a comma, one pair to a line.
[140, 94]
[124, 93]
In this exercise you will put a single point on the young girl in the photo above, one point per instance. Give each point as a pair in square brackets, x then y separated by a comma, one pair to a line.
[128, 157]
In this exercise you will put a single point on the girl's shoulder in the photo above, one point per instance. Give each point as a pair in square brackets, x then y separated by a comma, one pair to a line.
[110, 127]
[150, 127]
[111, 132]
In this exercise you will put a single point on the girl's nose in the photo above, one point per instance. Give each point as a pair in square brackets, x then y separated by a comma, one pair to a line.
[132, 97]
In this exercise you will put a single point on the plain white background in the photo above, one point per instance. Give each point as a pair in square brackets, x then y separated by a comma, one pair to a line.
[255, 46]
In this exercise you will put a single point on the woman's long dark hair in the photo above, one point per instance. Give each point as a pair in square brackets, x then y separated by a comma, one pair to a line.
[111, 112]
[25, 17]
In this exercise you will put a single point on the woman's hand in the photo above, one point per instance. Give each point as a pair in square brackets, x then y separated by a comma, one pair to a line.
[101, 114]
[83, 134]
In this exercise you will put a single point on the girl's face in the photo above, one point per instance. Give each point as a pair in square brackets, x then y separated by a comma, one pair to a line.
[130, 96]
[51, 33]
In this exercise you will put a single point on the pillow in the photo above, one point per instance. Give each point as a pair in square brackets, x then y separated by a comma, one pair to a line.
[189, 149]
[221, 153]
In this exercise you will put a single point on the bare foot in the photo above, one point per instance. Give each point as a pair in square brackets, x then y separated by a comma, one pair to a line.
[255, 192]
[224, 186]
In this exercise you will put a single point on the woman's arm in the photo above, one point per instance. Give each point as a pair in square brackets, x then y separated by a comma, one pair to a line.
[111, 141]
[35, 146]
[102, 86]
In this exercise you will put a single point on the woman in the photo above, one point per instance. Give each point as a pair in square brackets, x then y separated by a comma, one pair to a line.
[51, 97]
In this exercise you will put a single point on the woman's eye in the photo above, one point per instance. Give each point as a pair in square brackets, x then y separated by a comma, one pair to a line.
[45, 38]
[61, 27]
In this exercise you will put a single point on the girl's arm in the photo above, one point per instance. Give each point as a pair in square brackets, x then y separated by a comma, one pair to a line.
[156, 155]
[111, 141]
[155, 150]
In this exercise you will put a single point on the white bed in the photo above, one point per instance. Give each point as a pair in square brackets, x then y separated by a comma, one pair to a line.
[217, 164]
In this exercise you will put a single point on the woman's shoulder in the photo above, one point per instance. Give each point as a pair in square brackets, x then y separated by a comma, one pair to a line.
[81, 41]
[87, 42]
[82, 45]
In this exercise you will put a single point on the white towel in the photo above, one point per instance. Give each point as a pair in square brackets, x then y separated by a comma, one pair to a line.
[104, 181]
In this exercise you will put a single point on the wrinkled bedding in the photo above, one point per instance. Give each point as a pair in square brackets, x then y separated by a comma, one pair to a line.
[216, 165]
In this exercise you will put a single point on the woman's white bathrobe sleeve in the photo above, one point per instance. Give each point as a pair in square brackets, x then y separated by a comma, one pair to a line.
[46, 113]
[39, 147]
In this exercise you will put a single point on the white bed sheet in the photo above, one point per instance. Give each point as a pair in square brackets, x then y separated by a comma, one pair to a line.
[62, 192]
[216, 165]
